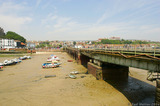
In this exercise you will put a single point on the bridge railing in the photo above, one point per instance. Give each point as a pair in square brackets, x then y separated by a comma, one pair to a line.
[153, 51]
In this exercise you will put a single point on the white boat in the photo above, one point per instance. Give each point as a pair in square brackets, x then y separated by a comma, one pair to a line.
[72, 76]
[10, 62]
[27, 57]
[1, 64]
[17, 60]
[74, 72]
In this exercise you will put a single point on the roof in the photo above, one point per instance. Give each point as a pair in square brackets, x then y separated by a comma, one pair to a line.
[17, 41]
[22, 43]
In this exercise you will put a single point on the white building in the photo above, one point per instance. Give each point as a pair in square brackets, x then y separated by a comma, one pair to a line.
[78, 46]
[7, 43]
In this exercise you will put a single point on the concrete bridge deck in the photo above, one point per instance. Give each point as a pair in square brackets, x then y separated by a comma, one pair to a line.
[142, 60]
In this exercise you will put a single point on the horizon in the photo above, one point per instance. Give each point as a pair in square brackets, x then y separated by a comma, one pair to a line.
[81, 20]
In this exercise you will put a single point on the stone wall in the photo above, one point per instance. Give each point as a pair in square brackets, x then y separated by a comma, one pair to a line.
[95, 70]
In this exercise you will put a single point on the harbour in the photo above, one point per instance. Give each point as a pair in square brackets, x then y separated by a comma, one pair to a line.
[25, 83]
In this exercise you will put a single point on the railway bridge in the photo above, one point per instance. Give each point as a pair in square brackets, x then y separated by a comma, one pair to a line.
[114, 65]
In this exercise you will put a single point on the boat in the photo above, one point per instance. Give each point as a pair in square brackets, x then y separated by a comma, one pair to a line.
[48, 65]
[53, 58]
[17, 60]
[48, 76]
[27, 57]
[72, 76]
[1, 64]
[22, 58]
[10, 62]
[74, 72]
[1, 67]
[49, 59]
[70, 60]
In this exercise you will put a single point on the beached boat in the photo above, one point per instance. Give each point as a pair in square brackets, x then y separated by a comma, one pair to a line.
[10, 62]
[53, 58]
[1, 64]
[17, 60]
[48, 65]
[1, 67]
[74, 72]
[22, 58]
[49, 59]
[27, 57]
[72, 76]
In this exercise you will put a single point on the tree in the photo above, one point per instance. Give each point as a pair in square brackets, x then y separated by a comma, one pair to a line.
[74, 43]
[2, 34]
[15, 36]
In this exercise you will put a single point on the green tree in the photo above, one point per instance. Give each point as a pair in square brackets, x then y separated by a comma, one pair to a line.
[15, 36]
[60, 45]
[74, 43]
[2, 34]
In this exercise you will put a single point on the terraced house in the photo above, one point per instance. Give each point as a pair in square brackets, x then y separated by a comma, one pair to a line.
[7, 43]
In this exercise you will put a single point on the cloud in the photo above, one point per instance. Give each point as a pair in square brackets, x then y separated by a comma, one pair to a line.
[66, 27]
[13, 22]
[127, 19]
[129, 10]
[38, 2]
[10, 7]
[56, 21]
[9, 18]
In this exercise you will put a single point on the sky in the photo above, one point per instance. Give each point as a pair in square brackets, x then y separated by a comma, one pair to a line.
[81, 19]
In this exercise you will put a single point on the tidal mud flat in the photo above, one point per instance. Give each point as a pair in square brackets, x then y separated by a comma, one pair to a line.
[25, 84]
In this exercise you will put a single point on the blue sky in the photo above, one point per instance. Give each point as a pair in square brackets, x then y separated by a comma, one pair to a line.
[81, 19]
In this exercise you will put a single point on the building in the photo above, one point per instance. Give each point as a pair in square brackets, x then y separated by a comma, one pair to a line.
[31, 45]
[19, 44]
[78, 46]
[7, 43]
[99, 40]
[114, 38]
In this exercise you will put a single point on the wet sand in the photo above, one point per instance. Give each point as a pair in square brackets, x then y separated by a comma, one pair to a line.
[140, 74]
[24, 85]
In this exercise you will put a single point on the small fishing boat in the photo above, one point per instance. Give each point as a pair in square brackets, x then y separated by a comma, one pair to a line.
[53, 58]
[72, 76]
[27, 57]
[48, 65]
[7, 63]
[17, 60]
[1, 64]
[49, 76]
[1, 67]
[23, 58]
[74, 72]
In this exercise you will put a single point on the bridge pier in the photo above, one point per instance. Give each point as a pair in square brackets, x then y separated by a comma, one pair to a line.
[84, 60]
[157, 96]
[108, 71]
[95, 70]
[79, 58]
[114, 72]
